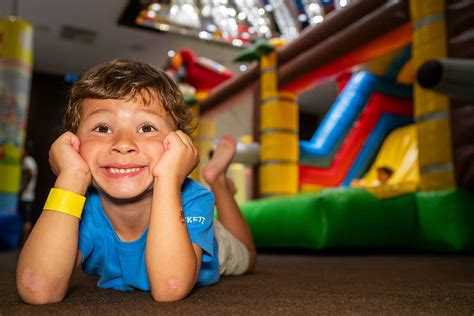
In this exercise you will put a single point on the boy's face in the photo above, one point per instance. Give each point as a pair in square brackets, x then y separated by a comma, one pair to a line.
[383, 176]
[121, 141]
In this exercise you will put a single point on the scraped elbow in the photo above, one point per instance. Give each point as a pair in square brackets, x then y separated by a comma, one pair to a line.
[37, 291]
[170, 292]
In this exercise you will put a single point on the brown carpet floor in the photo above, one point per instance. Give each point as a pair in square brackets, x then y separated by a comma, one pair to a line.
[328, 284]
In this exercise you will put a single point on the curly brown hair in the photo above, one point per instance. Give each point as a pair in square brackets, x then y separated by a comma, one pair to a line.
[127, 79]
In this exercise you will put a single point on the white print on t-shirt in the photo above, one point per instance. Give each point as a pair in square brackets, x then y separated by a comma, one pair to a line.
[195, 219]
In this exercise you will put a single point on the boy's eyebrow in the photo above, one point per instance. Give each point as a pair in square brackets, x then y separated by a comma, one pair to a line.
[151, 111]
[160, 115]
[95, 112]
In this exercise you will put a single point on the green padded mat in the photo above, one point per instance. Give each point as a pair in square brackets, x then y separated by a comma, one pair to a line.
[354, 218]
[446, 220]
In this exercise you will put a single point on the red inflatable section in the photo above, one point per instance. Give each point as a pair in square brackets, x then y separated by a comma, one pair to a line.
[376, 106]
[342, 80]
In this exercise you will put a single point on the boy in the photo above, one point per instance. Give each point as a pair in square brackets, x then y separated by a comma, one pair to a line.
[383, 174]
[144, 225]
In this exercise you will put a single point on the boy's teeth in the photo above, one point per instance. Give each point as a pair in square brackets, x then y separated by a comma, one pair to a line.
[118, 170]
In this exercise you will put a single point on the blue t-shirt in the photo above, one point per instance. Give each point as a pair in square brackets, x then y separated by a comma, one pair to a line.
[121, 265]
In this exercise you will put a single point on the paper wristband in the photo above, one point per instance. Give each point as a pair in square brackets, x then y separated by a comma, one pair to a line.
[65, 202]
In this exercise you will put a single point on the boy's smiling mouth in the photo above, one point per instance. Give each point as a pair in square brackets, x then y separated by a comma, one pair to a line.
[122, 171]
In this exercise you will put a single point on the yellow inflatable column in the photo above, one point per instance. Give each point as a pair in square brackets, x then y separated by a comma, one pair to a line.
[279, 145]
[16, 41]
[268, 76]
[278, 172]
[431, 108]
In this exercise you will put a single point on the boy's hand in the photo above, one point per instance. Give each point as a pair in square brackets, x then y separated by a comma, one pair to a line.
[179, 158]
[68, 165]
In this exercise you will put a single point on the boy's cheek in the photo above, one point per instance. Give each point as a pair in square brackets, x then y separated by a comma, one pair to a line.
[156, 149]
[87, 154]
[86, 148]
[155, 158]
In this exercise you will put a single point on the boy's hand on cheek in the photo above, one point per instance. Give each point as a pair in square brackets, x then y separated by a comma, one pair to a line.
[67, 163]
[179, 157]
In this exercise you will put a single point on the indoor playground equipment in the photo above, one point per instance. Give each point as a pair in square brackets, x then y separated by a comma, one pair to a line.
[454, 77]
[400, 152]
[348, 134]
[426, 204]
[200, 75]
[200, 72]
[16, 41]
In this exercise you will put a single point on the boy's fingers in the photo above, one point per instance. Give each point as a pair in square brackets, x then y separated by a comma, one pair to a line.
[75, 142]
[186, 139]
[170, 138]
[53, 169]
[183, 137]
[71, 140]
[189, 143]
[180, 136]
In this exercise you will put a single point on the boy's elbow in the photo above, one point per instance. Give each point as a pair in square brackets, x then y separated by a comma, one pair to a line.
[161, 296]
[38, 292]
[170, 292]
[40, 299]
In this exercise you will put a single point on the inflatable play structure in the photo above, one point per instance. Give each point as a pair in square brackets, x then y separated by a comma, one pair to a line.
[334, 155]
[325, 193]
[16, 40]
[196, 76]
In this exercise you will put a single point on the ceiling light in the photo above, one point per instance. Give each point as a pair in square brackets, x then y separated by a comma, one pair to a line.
[237, 42]
[151, 14]
[155, 7]
[302, 18]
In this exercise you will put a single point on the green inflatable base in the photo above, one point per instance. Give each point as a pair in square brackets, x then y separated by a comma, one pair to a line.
[446, 220]
[354, 218]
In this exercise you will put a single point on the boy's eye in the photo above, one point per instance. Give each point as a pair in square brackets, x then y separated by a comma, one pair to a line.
[102, 129]
[147, 128]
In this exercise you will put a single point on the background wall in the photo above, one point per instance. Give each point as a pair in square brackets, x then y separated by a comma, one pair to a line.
[45, 123]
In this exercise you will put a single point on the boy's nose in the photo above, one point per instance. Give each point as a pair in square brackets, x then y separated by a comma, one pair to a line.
[124, 145]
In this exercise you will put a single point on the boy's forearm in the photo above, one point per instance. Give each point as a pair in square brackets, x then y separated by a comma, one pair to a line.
[48, 257]
[170, 257]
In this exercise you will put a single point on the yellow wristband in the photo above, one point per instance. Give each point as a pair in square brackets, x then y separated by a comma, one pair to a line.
[65, 202]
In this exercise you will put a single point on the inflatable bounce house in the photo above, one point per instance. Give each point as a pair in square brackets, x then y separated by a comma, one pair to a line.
[16, 41]
[391, 165]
